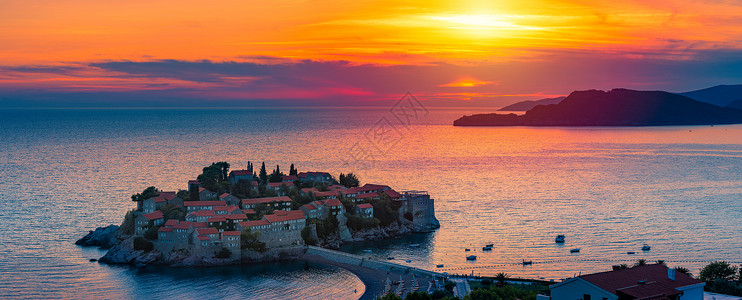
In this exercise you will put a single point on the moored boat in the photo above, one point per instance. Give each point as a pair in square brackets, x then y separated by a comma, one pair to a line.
[471, 257]
[575, 250]
[646, 247]
[559, 238]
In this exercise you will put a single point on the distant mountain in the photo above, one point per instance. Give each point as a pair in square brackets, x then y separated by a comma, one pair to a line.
[618, 107]
[527, 105]
[720, 95]
[736, 104]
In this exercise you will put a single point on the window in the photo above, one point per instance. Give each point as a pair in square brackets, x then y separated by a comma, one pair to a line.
[586, 297]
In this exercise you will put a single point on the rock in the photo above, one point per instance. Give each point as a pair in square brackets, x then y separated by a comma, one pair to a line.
[124, 253]
[104, 237]
[93, 260]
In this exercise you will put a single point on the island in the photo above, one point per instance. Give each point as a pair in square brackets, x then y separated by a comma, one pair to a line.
[240, 216]
[527, 105]
[618, 107]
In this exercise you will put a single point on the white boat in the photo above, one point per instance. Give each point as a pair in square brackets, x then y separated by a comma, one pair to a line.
[414, 245]
[471, 257]
[559, 239]
[646, 247]
[575, 250]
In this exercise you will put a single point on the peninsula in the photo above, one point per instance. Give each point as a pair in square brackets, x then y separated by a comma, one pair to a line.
[240, 216]
[618, 107]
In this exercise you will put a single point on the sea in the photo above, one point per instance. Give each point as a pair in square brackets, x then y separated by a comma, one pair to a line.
[64, 172]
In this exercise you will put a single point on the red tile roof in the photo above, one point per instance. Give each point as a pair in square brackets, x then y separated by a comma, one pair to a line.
[307, 190]
[367, 195]
[327, 194]
[305, 174]
[332, 202]
[165, 229]
[204, 203]
[266, 200]
[236, 217]
[159, 199]
[200, 225]
[231, 233]
[183, 225]
[203, 237]
[224, 195]
[248, 211]
[626, 280]
[309, 206]
[289, 177]
[171, 222]
[337, 187]
[279, 184]
[154, 215]
[230, 208]
[202, 213]
[210, 230]
[216, 219]
[392, 194]
[365, 205]
[240, 173]
[193, 182]
[368, 188]
[245, 224]
[282, 215]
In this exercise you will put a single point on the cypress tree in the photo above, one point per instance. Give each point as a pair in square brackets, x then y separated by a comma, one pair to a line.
[263, 173]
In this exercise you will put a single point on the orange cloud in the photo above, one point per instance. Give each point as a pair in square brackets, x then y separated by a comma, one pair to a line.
[467, 82]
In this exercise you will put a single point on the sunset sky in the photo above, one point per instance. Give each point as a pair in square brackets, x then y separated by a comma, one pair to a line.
[309, 53]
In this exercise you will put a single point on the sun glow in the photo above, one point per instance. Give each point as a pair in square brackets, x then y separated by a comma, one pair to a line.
[482, 22]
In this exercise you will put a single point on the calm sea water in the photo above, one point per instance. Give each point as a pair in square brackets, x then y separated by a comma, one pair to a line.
[610, 190]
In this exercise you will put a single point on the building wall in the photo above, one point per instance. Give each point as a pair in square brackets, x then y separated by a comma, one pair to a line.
[422, 208]
[694, 292]
[576, 289]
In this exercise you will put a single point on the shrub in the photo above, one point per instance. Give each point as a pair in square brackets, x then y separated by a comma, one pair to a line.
[306, 235]
[224, 253]
[127, 226]
[141, 243]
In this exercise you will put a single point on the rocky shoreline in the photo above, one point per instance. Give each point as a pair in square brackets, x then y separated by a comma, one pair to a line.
[121, 250]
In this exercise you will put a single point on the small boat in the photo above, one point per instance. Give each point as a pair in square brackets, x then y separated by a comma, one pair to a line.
[467, 249]
[409, 260]
[414, 245]
[575, 250]
[489, 245]
[646, 247]
[471, 257]
[390, 257]
[487, 248]
[559, 239]
[527, 262]
[439, 266]
[631, 252]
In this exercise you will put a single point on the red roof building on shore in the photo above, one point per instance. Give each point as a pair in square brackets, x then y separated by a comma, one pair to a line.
[648, 282]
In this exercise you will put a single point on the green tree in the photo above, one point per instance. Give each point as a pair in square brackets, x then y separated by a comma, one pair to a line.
[501, 278]
[683, 270]
[173, 212]
[183, 194]
[251, 240]
[640, 262]
[263, 174]
[127, 226]
[276, 176]
[241, 189]
[211, 177]
[389, 296]
[146, 194]
[224, 253]
[384, 210]
[418, 295]
[293, 171]
[306, 235]
[717, 270]
[349, 180]
[141, 243]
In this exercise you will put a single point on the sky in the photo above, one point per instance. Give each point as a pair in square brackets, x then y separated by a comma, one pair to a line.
[358, 53]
